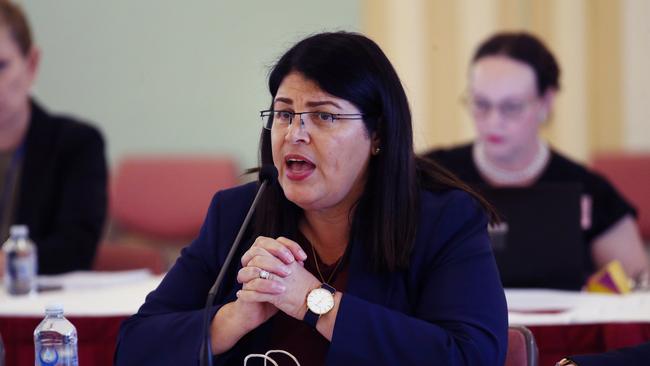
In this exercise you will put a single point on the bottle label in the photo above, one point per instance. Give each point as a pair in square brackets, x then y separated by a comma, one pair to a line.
[58, 355]
[21, 272]
[22, 268]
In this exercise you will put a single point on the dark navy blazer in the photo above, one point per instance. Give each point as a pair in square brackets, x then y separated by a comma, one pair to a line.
[448, 308]
[630, 356]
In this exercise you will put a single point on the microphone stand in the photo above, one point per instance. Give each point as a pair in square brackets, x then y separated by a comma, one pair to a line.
[206, 349]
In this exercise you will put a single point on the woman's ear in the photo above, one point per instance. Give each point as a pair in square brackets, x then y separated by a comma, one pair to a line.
[375, 147]
[547, 105]
[33, 61]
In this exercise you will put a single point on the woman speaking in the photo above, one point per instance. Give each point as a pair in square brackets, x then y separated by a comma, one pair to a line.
[360, 254]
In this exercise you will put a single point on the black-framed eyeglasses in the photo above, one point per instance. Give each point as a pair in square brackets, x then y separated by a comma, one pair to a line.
[320, 120]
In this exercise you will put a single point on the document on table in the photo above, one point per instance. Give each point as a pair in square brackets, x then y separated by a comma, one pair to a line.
[93, 279]
[85, 294]
[550, 307]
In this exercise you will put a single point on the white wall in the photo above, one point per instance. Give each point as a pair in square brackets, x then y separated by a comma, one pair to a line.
[172, 76]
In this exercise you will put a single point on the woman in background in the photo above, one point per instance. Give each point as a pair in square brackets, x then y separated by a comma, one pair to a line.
[52, 168]
[513, 81]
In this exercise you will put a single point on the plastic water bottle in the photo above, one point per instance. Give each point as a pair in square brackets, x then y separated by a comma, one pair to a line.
[55, 339]
[20, 262]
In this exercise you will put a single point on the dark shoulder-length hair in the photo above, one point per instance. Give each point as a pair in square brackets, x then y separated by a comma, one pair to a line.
[524, 47]
[352, 67]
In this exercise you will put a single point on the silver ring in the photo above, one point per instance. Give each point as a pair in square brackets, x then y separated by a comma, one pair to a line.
[264, 274]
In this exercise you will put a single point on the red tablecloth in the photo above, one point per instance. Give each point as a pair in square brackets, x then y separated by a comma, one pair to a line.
[558, 341]
[97, 337]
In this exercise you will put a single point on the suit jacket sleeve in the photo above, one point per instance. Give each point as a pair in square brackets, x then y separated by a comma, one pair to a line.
[638, 355]
[79, 220]
[167, 328]
[459, 314]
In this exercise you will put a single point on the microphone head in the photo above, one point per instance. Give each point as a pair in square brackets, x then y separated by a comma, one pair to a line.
[269, 173]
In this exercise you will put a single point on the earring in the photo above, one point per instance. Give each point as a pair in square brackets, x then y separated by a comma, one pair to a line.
[377, 150]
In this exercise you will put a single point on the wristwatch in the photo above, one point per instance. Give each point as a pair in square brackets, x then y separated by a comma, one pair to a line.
[565, 362]
[319, 301]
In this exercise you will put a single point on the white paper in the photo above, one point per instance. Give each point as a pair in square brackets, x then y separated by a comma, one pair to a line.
[553, 307]
[94, 280]
[86, 294]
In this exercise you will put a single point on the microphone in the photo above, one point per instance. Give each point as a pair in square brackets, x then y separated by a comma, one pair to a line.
[268, 174]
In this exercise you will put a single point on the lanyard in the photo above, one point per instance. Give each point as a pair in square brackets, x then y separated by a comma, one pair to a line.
[9, 178]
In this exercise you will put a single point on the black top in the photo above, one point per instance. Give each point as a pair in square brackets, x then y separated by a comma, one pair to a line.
[607, 204]
[62, 193]
[10, 164]
[296, 336]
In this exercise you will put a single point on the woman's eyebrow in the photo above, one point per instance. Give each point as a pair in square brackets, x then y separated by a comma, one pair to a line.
[283, 100]
[324, 102]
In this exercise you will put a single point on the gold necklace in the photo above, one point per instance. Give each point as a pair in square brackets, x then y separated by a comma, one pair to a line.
[338, 262]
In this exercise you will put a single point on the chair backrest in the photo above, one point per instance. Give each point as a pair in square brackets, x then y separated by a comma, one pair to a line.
[166, 197]
[120, 257]
[630, 173]
[522, 349]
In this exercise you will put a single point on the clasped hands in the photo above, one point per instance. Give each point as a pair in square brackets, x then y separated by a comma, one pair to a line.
[284, 289]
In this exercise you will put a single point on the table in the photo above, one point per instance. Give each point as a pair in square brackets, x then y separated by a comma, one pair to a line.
[566, 323]
[563, 322]
[96, 303]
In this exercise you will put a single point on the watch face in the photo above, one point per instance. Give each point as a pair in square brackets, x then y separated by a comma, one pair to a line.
[320, 301]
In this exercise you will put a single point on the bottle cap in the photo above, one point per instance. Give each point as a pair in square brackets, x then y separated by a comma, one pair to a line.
[54, 308]
[19, 230]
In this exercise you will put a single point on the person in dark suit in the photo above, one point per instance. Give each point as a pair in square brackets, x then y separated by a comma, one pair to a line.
[52, 168]
[360, 254]
[513, 81]
[629, 356]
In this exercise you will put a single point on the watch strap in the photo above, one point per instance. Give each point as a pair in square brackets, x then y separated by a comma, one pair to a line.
[311, 318]
[328, 288]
